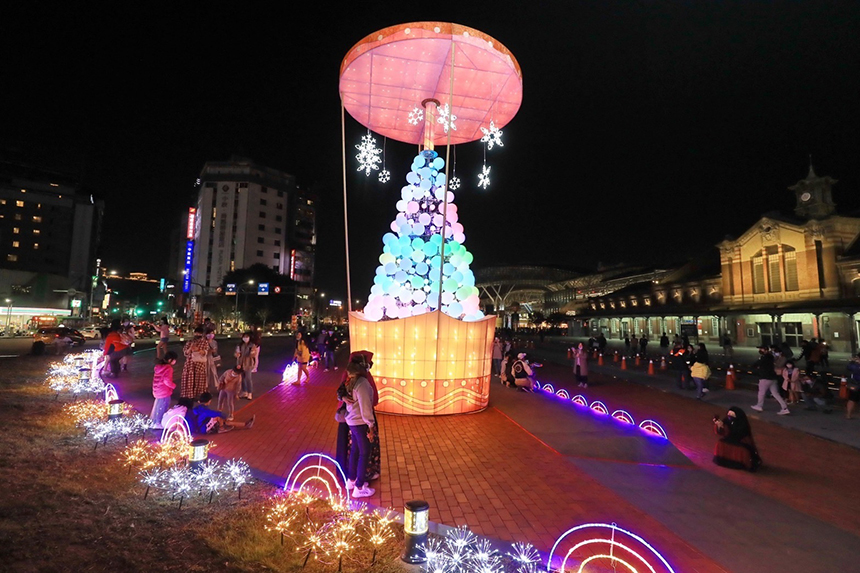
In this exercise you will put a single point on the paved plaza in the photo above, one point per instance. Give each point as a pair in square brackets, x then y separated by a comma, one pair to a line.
[531, 466]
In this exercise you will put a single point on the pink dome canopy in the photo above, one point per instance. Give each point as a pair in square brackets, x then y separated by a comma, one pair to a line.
[390, 72]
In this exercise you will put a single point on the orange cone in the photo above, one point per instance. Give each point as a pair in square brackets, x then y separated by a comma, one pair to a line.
[624, 363]
[730, 378]
[615, 357]
[600, 360]
[651, 367]
[843, 389]
[637, 360]
[570, 353]
[663, 363]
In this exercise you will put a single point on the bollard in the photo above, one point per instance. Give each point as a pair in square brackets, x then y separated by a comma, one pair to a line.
[663, 363]
[730, 378]
[570, 353]
[600, 360]
[624, 363]
[198, 451]
[115, 408]
[615, 357]
[638, 360]
[843, 389]
[416, 523]
[651, 367]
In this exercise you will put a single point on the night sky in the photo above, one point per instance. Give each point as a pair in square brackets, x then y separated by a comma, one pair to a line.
[648, 130]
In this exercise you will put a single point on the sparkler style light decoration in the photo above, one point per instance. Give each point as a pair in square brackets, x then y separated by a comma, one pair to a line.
[525, 557]
[609, 546]
[238, 473]
[86, 412]
[284, 514]
[378, 530]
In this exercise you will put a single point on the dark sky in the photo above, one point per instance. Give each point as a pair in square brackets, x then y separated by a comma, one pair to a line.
[648, 130]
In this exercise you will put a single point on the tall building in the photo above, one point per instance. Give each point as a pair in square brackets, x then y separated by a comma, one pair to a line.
[49, 232]
[248, 214]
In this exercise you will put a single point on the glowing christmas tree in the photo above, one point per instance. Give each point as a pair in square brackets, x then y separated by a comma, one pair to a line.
[424, 253]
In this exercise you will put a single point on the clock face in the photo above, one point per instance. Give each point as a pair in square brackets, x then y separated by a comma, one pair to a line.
[805, 197]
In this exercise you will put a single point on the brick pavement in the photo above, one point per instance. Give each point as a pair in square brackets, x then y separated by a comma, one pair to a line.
[481, 470]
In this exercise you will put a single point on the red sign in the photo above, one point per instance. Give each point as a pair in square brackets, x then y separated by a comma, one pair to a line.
[192, 214]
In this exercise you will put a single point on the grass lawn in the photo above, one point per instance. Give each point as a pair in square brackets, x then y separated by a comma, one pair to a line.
[68, 507]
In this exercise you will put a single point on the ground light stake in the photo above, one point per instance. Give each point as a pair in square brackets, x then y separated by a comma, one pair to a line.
[416, 523]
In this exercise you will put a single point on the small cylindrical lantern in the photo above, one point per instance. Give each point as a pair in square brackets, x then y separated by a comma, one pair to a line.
[84, 374]
[115, 408]
[198, 451]
[79, 360]
[416, 523]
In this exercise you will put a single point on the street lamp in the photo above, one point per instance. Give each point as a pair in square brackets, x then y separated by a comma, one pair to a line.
[245, 307]
[8, 313]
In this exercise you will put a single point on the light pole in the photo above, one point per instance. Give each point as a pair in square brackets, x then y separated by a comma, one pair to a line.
[245, 307]
[9, 314]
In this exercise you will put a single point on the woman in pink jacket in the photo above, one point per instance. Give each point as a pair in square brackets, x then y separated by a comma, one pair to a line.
[162, 387]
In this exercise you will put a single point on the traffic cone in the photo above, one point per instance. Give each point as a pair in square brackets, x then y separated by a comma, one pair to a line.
[600, 360]
[624, 363]
[730, 378]
[843, 389]
[637, 360]
[663, 363]
[615, 357]
[651, 367]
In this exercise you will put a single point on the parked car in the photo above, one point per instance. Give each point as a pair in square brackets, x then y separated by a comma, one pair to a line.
[145, 330]
[51, 334]
[91, 332]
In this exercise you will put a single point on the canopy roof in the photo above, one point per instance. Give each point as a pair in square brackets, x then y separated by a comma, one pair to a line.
[390, 72]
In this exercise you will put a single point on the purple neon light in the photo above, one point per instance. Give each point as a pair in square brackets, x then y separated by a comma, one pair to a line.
[611, 536]
[654, 428]
[623, 416]
[563, 393]
[288, 485]
[599, 407]
[537, 385]
[549, 388]
[580, 399]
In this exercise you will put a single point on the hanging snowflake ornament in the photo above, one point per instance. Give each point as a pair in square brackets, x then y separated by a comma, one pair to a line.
[384, 176]
[416, 116]
[446, 118]
[484, 177]
[454, 184]
[492, 136]
[368, 155]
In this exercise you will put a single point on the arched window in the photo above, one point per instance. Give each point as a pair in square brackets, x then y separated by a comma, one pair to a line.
[790, 259]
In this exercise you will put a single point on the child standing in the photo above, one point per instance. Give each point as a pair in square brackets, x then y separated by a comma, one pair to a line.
[162, 387]
[228, 386]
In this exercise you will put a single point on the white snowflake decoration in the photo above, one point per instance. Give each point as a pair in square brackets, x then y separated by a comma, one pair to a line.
[446, 118]
[492, 136]
[416, 116]
[368, 155]
[384, 176]
[454, 184]
[484, 177]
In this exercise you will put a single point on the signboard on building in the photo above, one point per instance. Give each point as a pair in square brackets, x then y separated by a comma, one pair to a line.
[192, 217]
[189, 257]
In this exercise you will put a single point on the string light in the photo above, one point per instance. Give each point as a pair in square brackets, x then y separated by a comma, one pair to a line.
[446, 118]
[368, 154]
[484, 177]
[492, 136]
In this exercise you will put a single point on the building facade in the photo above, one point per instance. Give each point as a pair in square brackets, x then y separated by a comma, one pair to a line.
[789, 277]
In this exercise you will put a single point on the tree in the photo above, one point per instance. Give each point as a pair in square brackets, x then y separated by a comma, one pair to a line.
[276, 306]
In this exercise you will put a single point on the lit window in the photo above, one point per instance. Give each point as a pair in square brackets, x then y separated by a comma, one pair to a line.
[17, 216]
[16, 244]
[12, 258]
[2, 201]
[36, 231]
[15, 230]
[37, 219]
[35, 246]
[19, 203]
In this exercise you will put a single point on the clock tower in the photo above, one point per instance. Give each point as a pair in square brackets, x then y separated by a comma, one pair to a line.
[813, 195]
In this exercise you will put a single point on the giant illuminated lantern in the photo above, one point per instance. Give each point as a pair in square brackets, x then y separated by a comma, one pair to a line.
[432, 344]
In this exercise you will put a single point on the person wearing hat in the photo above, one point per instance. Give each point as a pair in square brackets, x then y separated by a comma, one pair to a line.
[767, 378]
[523, 373]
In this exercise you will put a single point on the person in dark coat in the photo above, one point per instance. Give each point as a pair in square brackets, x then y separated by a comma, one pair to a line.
[736, 448]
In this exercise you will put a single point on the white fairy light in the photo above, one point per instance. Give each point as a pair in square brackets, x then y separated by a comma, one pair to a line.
[368, 155]
[416, 116]
[384, 176]
[446, 118]
[492, 136]
[525, 556]
[484, 177]
[237, 472]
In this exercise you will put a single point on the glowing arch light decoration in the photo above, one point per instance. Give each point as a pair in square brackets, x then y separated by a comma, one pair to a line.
[431, 343]
[563, 393]
[548, 388]
[599, 407]
[110, 393]
[580, 400]
[623, 416]
[654, 428]
[605, 545]
[537, 385]
[316, 474]
[176, 429]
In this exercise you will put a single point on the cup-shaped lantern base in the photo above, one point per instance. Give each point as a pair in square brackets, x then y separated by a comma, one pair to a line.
[430, 364]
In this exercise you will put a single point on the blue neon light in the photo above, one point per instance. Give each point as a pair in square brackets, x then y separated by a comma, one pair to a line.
[189, 258]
